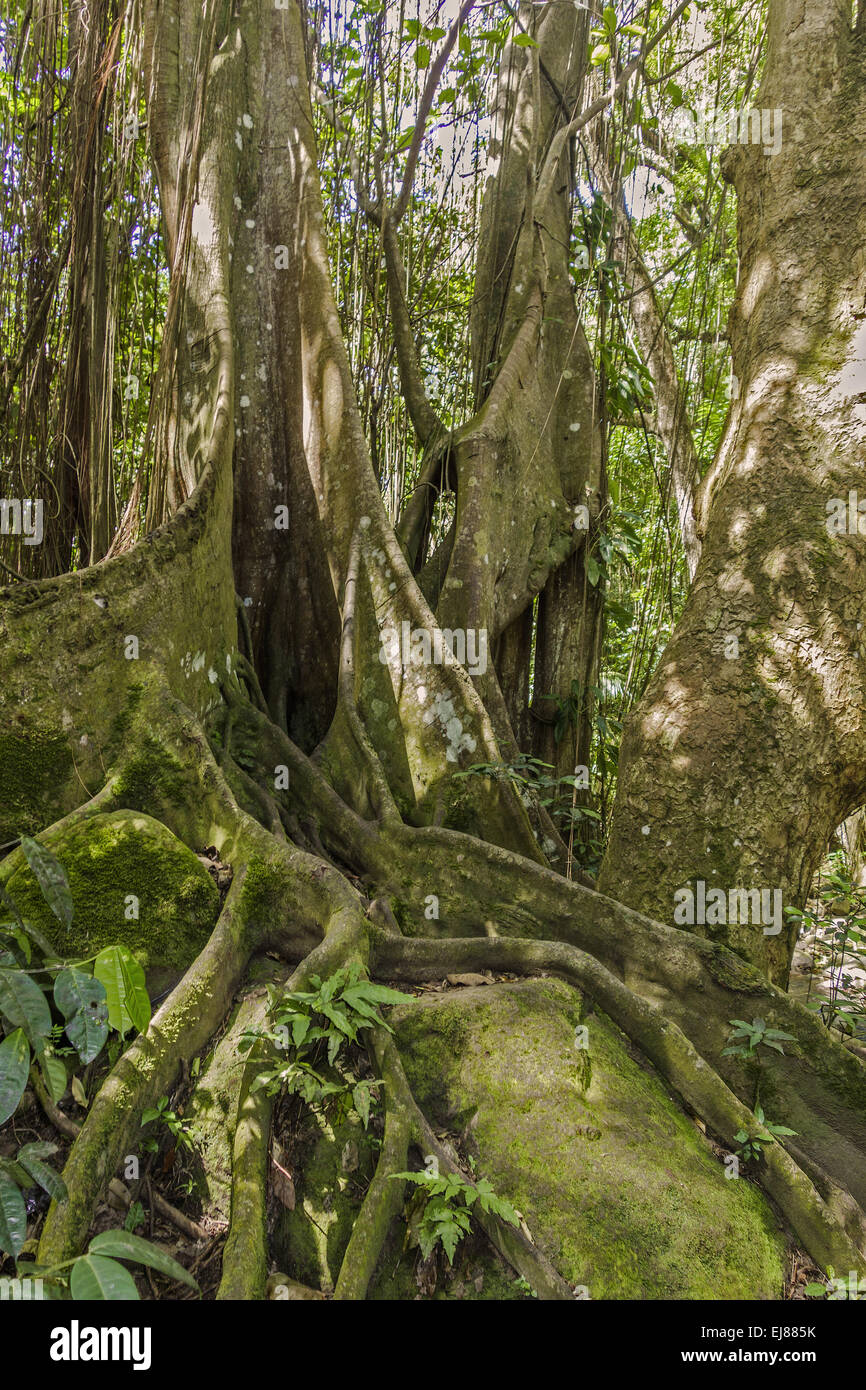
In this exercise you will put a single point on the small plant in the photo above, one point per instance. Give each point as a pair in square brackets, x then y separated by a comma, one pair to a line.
[134, 1217]
[837, 1288]
[746, 1038]
[172, 1122]
[310, 1030]
[446, 1209]
[17, 1176]
[85, 1005]
[523, 1286]
[834, 929]
[752, 1145]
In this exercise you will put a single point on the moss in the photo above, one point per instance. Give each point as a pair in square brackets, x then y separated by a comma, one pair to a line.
[33, 766]
[153, 776]
[732, 972]
[108, 860]
[311, 1240]
[617, 1184]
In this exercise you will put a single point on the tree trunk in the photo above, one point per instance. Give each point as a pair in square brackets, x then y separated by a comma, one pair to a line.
[123, 689]
[747, 749]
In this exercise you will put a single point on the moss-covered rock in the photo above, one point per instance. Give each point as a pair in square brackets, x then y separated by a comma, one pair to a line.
[132, 881]
[617, 1184]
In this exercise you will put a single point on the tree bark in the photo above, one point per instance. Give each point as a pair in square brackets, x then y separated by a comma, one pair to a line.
[747, 749]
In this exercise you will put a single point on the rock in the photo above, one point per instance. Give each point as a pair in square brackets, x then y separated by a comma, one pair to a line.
[469, 978]
[617, 1185]
[132, 882]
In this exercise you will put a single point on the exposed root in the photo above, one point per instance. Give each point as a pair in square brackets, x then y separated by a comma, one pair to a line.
[384, 1198]
[819, 1086]
[245, 1255]
[64, 1124]
[148, 1068]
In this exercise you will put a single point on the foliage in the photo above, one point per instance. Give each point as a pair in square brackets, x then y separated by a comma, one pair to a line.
[99, 1274]
[748, 1037]
[35, 1016]
[310, 1031]
[446, 1204]
[161, 1114]
[752, 1145]
[86, 1006]
[835, 923]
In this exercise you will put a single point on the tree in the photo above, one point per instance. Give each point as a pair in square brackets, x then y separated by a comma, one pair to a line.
[264, 671]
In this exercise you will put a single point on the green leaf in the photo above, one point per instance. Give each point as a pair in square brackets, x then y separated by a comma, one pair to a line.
[123, 978]
[422, 55]
[450, 1238]
[524, 41]
[73, 989]
[50, 1181]
[338, 1018]
[97, 1279]
[51, 877]
[608, 15]
[123, 1245]
[300, 1026]
[88, 1030]
[54, 1075]
[593, 571]
[81, 1000]
[13, 1217]
[13, 1170]
[14, 1070]
[24, 1004]
[600, 54]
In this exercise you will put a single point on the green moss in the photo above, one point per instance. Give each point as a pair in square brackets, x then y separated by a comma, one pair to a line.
[617, 1184]
[153, 776]
[109, 860]
[33, 767]
[730, 971]
[311, 1240]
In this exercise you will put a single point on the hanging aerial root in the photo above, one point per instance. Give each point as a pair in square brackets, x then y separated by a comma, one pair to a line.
[661, 1040]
